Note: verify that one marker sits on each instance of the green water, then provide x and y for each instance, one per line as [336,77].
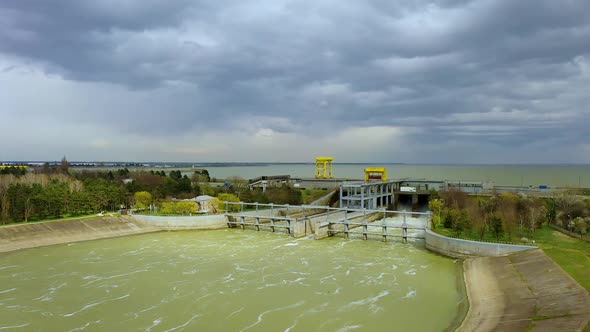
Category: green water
[227,280]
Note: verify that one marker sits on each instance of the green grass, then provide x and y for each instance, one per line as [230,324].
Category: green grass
[571,254]
[310,195]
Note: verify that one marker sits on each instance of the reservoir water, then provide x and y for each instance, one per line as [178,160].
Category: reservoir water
[227,280]
[509,175]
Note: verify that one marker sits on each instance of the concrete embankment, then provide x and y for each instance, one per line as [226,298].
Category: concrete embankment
[216,221]
[524,291]
[15,237]
[459,248]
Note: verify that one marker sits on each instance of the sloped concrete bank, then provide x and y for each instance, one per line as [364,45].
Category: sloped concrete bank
[514,287]
[524,291]
[22,236]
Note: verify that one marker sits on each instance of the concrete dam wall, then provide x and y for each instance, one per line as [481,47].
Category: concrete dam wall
[460,248]
[214,221]
[15,237]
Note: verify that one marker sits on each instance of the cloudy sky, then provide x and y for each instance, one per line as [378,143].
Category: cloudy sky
[447,81]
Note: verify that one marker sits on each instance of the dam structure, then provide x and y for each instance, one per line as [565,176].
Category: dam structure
[323,221]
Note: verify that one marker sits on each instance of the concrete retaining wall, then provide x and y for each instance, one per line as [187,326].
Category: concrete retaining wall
[215,221]
[21,236]
[459,248]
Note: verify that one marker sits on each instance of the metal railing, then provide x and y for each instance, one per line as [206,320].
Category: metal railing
[272,206]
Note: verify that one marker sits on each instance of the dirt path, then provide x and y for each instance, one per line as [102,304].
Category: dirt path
[523,291]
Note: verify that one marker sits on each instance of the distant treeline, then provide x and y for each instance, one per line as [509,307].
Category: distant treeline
[55,191]
[507,217]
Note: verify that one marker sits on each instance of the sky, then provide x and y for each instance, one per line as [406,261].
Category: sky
[447,81]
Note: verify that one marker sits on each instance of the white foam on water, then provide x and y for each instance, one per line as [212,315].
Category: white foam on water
[94,304]
[7,290]
[51,291]
[235,312]
[409,294]
[366,301]
[288,329]
[6,300]
[82,328]
[285,282]
[381,275]
[183,325]
[95,278]
[261,315]
[331,277]
[411,272]
[349,328]
[14,326]
[291,244]
[136,314]
[239,268]
[135,252]
[8,267]
[228,278]
[155,323]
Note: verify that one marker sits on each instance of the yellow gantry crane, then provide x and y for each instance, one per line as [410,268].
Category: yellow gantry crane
[323,167]
[14,166]
[375,173]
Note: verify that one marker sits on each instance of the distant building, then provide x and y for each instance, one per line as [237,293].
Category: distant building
[206,203]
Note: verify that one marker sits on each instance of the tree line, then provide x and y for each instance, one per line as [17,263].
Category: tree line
[53,191]
[507,216]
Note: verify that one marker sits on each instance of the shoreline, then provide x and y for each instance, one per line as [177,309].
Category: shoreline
[524,291]
[41,234]
[463,305]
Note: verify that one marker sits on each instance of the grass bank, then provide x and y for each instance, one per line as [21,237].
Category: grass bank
[573,255]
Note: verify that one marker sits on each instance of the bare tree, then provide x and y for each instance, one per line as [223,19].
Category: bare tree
[507,209]
[537,215]
[5,182]
[454,198]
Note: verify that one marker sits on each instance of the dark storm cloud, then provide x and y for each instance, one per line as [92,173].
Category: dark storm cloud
[499,72]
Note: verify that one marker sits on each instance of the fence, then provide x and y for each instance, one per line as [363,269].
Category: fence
[572,234]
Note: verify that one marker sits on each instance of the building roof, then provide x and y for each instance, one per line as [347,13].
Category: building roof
[203,198]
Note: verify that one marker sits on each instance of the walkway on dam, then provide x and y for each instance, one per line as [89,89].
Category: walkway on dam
[323,221]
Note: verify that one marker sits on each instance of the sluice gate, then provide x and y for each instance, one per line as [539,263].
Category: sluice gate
[323,221]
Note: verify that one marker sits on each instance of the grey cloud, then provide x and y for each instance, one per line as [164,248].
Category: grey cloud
[436,68]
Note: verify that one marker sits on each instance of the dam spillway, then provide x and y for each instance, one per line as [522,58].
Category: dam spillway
[324,221]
